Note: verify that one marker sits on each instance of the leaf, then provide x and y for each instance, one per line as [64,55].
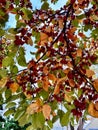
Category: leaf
[23,120]
[21,60]
[68,97]
[18,114]
[89,72]
[95,83]
[13,87]
[3,81]
[7,61]
[34,107]
[71,82]
[57,87]
[30,128]
[50,124]
[92,111]
[65,119]
[9,112]
[45,6]
[46,111]
[27,13]
[40,120]
[45,84]
[8,94]
[79,52]
[61,23]
[52,77]
[43,38]
[10,105]
[14,69]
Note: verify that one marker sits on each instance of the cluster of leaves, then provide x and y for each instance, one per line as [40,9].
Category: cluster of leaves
[60,72]
[7,124]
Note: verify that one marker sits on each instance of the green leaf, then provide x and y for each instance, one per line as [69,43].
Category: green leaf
[16,2]
[14,69]
[30,128]
[44,94]
[3,73]
[75,22]
[23,120]
[45,6]
[40,120]
[1,32]
[60,113]
[27,13]
[9,112]
[46,128]
[21,57]
[7,61]
[8,94]
[10,105]
[21,61]
[65,119]
[18,114]
[50,124]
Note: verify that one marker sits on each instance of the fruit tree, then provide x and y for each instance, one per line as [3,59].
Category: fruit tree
[64,46]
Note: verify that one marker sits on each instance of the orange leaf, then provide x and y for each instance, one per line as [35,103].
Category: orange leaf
[52,77]
[45,70]
[81,35]
[79,52]
[61,23]
[66,71]
[92,111]
[34,107]
[89,73]
[14,86]
[57,87]
[45,83]
[43,37]
[96,105]
[95,83]
[71,82]
[46,111]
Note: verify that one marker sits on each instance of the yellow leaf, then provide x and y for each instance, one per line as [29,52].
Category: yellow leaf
[89,73]
[67,97]
[78,11]
[92,111]
[3,81]
[46,111]
[14,86]
[95,83]
[27,95]
[79,52]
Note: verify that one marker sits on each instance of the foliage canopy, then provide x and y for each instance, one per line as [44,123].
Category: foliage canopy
[59,73]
